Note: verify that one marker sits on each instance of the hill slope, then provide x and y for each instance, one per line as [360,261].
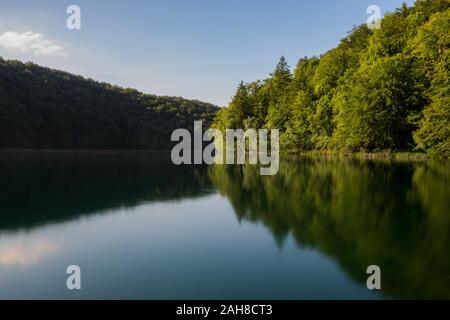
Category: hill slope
[383,89]
[46,108]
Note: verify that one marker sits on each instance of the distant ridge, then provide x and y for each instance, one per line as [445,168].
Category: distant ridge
[50,109]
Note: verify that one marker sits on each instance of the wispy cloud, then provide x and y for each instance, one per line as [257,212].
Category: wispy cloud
[35,43]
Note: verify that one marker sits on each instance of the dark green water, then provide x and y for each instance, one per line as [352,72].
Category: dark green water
[139,227]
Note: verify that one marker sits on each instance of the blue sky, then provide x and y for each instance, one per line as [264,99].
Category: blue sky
[199,49]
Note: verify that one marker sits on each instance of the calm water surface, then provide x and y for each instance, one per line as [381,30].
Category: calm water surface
[142,228]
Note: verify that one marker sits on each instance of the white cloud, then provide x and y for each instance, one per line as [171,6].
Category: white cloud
[30,41]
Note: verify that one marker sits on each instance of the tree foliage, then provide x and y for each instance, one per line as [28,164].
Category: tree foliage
[383,89]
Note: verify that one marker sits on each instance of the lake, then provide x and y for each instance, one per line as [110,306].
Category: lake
[141,228]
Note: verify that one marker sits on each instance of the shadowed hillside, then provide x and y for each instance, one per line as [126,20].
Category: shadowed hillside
[51,109]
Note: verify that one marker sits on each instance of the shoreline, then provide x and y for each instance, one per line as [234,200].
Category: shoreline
[381,155]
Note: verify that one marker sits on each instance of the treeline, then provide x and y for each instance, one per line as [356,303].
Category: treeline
[45,108]
[382,89]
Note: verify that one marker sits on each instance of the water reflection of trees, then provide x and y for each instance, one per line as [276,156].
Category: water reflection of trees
[38,188]
[395,215]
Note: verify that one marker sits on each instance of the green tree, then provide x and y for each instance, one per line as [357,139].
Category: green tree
[432,44]
[385,89]
[278,89]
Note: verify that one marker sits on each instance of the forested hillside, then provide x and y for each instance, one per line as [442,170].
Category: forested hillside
[382,89]
[45,108]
